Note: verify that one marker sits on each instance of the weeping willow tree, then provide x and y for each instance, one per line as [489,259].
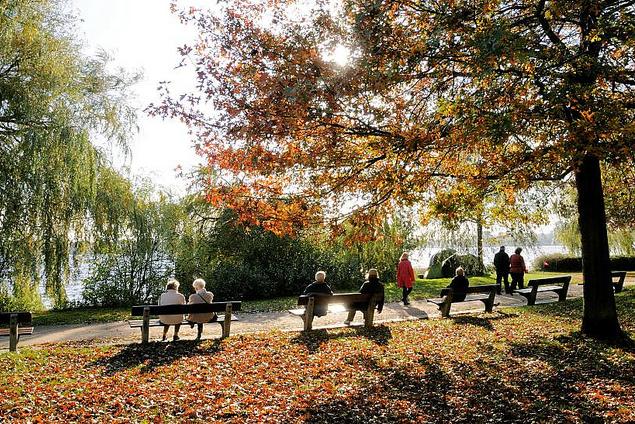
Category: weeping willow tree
[53,99]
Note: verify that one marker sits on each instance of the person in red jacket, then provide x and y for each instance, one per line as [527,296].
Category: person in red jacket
[517,269]
[405,277]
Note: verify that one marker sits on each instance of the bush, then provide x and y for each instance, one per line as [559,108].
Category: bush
[558,262]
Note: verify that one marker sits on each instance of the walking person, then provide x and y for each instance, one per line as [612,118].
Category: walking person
[405,277]
[171,296]
[200,296]
[372,285]
[501,263]
[517,269]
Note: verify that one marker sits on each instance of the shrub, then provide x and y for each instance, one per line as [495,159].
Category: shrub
[557,262]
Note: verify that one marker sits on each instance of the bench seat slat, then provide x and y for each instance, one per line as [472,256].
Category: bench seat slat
[22,331]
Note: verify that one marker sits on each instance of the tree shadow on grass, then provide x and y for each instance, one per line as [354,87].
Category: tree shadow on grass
[397,394]
[479,321]
[379,334]
[156,354]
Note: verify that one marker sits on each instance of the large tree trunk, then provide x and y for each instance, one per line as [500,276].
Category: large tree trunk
[600,316]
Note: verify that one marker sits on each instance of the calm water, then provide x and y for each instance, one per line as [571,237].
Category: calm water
[421,258]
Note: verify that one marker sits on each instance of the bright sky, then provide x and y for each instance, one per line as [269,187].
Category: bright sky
[143,35]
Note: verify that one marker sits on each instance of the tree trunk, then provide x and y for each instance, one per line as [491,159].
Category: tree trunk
[600,316]
[479,240]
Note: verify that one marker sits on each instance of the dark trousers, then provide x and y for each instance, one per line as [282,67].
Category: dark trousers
[502,276]
[517,280]
[406,292]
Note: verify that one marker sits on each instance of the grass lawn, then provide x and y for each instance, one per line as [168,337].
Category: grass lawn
[520,365]
[423,289]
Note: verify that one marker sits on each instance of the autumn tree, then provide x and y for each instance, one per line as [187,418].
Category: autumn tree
[434,94]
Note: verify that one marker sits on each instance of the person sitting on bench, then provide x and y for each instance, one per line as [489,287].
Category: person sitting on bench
[201,296]
[319,286]
[171,297]
[459,284]
[372,285]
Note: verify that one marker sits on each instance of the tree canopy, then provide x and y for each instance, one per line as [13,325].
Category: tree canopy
[436,97]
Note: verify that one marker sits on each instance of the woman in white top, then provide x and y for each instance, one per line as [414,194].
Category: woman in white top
[201,296]
[171,297]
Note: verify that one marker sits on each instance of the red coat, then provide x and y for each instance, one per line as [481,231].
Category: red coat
[405,274]
[517,264]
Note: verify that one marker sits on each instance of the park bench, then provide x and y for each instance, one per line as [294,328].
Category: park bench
[617,279]
[366,303]
[541,285]
[146,311]
[19,325]
[483,293]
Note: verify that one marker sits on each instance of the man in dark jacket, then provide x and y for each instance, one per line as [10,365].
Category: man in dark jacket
[319,287]
[372,285]
[501,263]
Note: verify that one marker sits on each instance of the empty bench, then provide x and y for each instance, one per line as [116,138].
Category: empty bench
[617,279]
[484,293]
[366,303]
[19,325]
[145,311]
[558,285]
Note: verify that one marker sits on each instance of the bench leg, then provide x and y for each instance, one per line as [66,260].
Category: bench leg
[308,315]
[562,296]
[228,320]
[13,333]
[445,309]
[145,327]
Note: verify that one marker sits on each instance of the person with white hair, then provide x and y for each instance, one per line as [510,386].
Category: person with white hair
[200,296]
[171,297]
[459,284]
[319,287]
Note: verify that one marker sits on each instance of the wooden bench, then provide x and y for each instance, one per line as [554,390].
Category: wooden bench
[146,311]
[19,325]
[484,293]
[617,279]
[541,285]
[366,303]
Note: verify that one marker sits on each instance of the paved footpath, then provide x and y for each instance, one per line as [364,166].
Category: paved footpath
[120,332]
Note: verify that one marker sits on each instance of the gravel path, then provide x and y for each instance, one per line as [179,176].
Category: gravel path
[120,332]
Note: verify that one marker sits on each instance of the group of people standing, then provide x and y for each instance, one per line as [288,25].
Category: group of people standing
[513,265]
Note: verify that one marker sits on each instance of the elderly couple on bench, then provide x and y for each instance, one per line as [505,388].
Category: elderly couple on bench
[173,297]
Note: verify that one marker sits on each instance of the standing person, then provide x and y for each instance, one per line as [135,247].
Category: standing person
[405,277]
[501,263]
[372,285]
[459,285]
[201,296]
[171,297]
[319,286]
[517,269]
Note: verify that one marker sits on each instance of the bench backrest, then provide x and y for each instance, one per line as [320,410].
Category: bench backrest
[563,280]
[339,298]
[195,308]
[485,288]
[620,275]
[23,317]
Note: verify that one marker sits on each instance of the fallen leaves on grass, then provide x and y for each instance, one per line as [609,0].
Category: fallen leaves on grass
[525,366]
